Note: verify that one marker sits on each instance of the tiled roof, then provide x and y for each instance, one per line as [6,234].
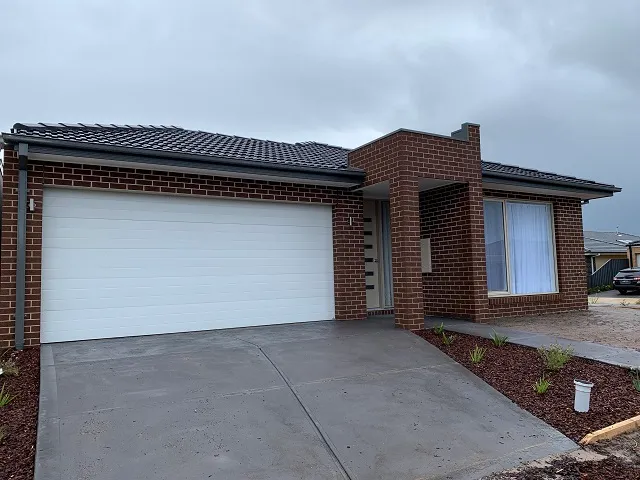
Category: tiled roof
[608,242]
[171,139]
[512,170]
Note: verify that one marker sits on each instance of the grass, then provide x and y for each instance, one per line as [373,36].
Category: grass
[477,354]
[5,398]
[439,329]
[635,378]
[541,385]
[555,356]
[498,339]
[448,339]
[9,367]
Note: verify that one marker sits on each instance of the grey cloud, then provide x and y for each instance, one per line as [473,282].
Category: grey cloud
[553,84]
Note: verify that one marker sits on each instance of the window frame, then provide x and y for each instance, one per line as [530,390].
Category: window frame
[508,292]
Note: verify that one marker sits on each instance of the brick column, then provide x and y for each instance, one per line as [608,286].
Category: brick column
[405,251]
[8,251]
[348,258]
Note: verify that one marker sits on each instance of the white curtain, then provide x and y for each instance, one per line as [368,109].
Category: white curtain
[530,248]
[494,246]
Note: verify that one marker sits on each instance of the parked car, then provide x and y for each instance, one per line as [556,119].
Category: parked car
[627,280]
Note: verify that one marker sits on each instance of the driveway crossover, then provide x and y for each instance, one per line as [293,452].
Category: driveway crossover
[324,400]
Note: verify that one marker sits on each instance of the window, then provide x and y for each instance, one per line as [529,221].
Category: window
[519,247]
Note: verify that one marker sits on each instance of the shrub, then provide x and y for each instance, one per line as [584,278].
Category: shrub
[541,385]
[555,356]
[601,288]
[9,367]
[448,339]
[439,329]
[5,398]
[477,354]
[498,339]
[635,378]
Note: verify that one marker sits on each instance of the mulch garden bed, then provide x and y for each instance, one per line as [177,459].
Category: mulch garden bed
[513,370]
[19,418]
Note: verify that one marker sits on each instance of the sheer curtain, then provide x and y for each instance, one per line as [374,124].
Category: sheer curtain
[494,246]
[531,254]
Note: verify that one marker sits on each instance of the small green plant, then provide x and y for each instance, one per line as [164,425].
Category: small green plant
[593,300]
[448,339]
[9,367]
[5,398]
[635,377]
[498,339]
[541,385]
[555,356]
[439,329]
[477,354]
[601,288]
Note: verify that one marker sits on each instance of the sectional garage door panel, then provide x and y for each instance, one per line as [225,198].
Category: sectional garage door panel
[122,264]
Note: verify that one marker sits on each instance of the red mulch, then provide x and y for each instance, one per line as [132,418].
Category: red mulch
[513,369]
[20,417]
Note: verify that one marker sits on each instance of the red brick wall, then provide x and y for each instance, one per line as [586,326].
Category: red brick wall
[348,239]
[572,281]
[402,158]
[445,218]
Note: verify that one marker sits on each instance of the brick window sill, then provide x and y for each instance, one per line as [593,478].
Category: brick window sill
[524,299]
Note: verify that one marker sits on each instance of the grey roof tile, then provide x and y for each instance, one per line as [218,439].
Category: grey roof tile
[500,168]
[173,139]
[180,140]
[608,242]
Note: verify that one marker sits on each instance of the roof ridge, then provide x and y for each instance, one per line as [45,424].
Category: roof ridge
[603,241]
[311,142]
[90,126]
[612,231]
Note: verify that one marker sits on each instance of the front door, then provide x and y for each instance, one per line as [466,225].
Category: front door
[371,263]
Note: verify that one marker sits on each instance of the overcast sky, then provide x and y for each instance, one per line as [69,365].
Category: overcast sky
[555,84]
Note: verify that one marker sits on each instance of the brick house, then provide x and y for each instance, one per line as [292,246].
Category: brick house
[111,231]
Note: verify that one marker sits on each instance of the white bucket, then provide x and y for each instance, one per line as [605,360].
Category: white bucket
[583,395]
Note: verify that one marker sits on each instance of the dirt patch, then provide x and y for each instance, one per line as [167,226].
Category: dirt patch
[626,447]
[609,325]
[614,459]
[19,419]
[513,369]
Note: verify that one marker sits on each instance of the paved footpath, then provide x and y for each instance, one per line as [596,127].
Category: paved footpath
[624,357]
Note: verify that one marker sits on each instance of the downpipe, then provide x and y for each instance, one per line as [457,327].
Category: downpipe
[21,260]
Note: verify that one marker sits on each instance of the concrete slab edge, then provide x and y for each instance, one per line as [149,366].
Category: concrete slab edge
[612,431]
[520,337]
[48,434]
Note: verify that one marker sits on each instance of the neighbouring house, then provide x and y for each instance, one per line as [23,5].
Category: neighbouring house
[113,231]
[600,247]
[633,253]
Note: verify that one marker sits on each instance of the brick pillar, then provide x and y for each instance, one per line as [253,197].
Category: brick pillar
[405,251]
[8,251]
[348,258]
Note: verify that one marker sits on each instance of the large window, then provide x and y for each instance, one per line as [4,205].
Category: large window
[520,247]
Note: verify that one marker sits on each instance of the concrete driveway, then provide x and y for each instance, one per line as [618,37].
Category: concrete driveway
[328,400]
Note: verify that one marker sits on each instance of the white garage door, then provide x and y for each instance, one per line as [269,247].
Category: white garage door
[122,264]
